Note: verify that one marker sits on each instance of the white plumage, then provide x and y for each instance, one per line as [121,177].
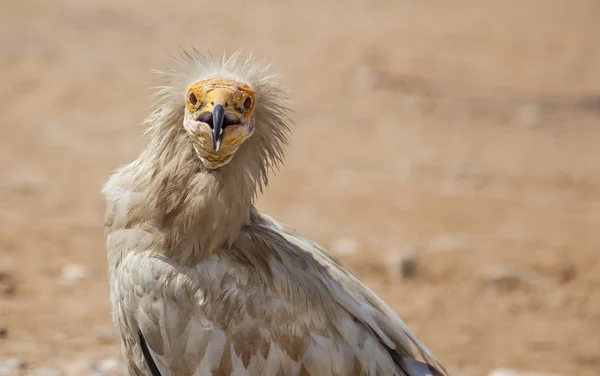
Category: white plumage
[206,283]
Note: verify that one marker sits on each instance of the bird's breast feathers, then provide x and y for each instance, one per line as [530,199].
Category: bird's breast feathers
[273,304]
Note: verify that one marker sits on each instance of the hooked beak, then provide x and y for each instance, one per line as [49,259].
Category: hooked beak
[218,131]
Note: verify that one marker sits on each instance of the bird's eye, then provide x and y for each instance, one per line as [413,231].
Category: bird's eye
[247,103]
[192,98]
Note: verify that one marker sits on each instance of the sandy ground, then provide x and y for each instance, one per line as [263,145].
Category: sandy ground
[465,132]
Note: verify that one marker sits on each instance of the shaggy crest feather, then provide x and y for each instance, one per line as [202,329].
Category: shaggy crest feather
[265,148]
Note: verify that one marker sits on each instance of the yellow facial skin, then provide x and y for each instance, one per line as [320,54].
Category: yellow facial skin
[237,100]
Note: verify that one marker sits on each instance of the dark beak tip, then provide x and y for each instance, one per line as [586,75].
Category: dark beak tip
[218,118]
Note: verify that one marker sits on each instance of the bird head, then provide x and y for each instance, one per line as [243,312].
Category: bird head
[229,114]
[219,114]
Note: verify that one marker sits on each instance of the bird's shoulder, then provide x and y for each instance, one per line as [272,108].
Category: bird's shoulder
[119,197]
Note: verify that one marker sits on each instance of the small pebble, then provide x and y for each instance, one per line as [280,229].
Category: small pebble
[110,367]
[367,76]
[512,372]
[8,284]
[408,267]
[9,366]
[508,279]
[449,243]
[79,367]
[405,265]
[108,337]
[108,364]
[345,246]
[44,372]
[3,333]
[567,274]
[72,273]
[529,114]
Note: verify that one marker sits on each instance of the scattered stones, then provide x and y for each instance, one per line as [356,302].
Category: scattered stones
[79,367]
[345,246]
[104,367]
[508,279]
[110,367]
[44,372]
[10,366]
[72,273]
[512,372]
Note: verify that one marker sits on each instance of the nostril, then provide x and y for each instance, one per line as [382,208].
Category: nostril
[230,120]
[207,118]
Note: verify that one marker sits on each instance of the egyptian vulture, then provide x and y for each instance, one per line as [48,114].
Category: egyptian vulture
[201,282]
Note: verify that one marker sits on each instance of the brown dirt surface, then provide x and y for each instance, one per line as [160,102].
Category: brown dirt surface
[466,132]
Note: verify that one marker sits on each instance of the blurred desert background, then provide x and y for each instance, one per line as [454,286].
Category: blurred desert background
[448,151]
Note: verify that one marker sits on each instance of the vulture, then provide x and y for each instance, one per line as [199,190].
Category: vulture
[201,282]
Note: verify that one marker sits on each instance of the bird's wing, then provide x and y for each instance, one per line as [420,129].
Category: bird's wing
[363,304]
[220,319]
[274,304]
